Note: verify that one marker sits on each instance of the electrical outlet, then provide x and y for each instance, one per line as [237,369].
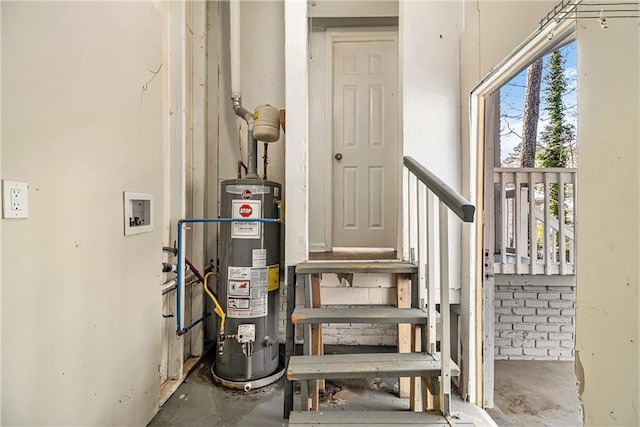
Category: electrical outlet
[14,199]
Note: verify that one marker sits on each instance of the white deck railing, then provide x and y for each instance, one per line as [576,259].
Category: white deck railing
[530,237]
[425,191]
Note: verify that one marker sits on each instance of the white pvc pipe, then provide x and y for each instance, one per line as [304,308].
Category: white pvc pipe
[234,45]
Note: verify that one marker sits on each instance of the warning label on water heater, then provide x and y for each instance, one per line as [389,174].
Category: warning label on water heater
[246,209]
[247,294]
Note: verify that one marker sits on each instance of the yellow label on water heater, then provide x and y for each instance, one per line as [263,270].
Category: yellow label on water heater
[273,277]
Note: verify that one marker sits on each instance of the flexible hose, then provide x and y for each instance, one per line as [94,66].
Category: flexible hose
[189,264]
[219,311]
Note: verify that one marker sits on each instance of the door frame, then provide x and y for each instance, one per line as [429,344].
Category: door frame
[544,40]
[357,34]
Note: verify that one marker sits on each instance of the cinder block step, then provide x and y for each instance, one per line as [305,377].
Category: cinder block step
[373,419]
[372,365]
[376,315]
[342,267]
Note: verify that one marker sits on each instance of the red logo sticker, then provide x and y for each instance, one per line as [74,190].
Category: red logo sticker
[245,211]
[246,194]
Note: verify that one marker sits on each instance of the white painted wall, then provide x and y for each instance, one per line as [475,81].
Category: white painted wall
[607,324]
[431,105]
[263,82]
[80,301]
[297,149]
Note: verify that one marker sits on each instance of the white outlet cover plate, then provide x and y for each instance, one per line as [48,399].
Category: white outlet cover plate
[7,207]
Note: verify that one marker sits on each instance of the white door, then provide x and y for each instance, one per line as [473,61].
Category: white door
[364,143]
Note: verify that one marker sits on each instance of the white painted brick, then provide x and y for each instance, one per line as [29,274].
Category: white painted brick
[563,288]
[503,327]
[508,288]
[525,295]
[344,295]
[501,295]
[549,295]
[373,280]
[560,304]
[561,353]
[560,336]
[567,344]
[548,328]
[523,343]
[504,310]
[511,351]
[536,303]
[511,334]
[499,342]
[566,328]
[524,311]
[510,319]
[535,351]
[373,331]
[535,319]
[547,344]
[565,320]
[510,303]
[536,288]
[536,335]
[569,296]
[548,311]
[568,312]
[524,327]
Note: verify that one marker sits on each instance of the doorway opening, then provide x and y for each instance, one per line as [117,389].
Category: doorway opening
[523,121]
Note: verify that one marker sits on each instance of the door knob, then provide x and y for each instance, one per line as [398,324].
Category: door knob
[338,156]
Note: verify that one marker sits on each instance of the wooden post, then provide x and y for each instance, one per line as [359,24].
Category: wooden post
[403,286]
[415,395]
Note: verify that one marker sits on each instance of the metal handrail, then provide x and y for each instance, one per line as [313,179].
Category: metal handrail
[458,204]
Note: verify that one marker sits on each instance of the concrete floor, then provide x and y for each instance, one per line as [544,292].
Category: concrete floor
[198,401]
[532,393]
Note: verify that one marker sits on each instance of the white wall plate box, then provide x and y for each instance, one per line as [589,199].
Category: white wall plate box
[14,199]
[138,213]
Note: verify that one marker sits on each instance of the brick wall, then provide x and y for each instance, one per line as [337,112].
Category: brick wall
[534,322]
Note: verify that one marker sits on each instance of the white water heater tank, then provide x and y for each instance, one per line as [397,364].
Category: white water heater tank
[266,123]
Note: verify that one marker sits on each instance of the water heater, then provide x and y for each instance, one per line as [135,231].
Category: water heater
[249,282]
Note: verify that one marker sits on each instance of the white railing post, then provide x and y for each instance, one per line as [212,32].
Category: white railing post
[562,254]
[445,339]
[533,232]
[432,250]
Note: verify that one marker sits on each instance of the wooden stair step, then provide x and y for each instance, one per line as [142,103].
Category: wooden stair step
[373,418]
[341,267]
[376,315]
[372,365]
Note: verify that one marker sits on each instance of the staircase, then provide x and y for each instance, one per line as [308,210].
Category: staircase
[313,367]
[425,374]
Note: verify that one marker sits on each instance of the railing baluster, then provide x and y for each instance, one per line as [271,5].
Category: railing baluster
[505,221]
[561,224]
[431,273]
[572,253]
[413,217]
[445,340]
[517,225]
[405,215]
[422,240]
[533,231]
[546,225]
